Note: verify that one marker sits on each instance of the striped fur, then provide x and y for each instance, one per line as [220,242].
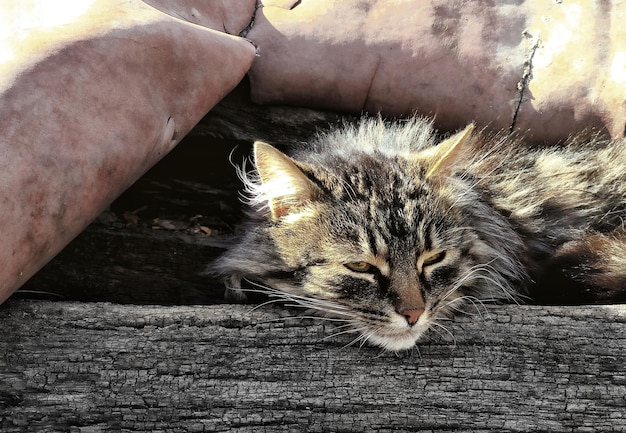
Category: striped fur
[439,227]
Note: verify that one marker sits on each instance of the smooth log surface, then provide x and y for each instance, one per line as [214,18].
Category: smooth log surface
[96,367]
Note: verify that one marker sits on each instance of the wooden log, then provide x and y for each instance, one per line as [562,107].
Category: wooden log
[99,367]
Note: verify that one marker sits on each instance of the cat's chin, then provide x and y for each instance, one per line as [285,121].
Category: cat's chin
[395,340]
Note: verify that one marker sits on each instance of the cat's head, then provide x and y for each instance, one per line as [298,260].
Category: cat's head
[370,230]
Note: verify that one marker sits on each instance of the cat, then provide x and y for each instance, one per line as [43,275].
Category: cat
[382,225]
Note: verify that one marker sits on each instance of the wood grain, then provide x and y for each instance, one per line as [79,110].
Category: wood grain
[99,367]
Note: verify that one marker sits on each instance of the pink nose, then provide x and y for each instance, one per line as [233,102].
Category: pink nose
[412,316]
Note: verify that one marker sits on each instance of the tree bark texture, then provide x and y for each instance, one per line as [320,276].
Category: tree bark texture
[99,367]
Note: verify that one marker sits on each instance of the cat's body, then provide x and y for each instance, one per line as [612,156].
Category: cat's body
[383,228]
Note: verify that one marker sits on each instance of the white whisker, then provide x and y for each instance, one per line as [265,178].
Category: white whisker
[347,331]
[361,337]
[447,331]
[264,304]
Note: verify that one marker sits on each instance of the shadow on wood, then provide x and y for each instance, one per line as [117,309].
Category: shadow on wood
[155,242]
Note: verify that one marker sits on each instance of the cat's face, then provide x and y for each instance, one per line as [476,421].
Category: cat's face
[391,271]
[375,240]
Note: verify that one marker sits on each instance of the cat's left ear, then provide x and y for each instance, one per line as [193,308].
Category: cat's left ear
[446,154]
[284,185]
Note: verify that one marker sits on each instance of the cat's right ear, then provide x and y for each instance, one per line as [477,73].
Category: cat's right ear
[283,184]
[446,154]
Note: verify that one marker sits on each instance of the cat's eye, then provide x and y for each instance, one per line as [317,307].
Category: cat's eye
[359,266]
[433,258]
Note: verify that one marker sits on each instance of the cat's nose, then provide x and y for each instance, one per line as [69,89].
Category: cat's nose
[412,316]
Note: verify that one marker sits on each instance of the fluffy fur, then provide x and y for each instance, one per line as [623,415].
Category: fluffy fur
[388,229]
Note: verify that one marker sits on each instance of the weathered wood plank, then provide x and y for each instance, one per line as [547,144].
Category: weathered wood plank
[104,367]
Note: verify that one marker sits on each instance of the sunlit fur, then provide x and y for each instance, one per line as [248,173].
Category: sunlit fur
[507,216]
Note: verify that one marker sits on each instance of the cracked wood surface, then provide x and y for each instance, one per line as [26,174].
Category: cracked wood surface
[97,367]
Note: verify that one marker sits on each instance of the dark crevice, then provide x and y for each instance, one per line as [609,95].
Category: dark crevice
[243,33]
[527,75]
[369,87]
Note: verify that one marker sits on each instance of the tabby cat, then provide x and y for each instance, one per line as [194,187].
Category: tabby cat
[382,227]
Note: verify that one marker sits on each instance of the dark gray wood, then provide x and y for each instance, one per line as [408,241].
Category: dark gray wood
[99,367]
[237,118]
